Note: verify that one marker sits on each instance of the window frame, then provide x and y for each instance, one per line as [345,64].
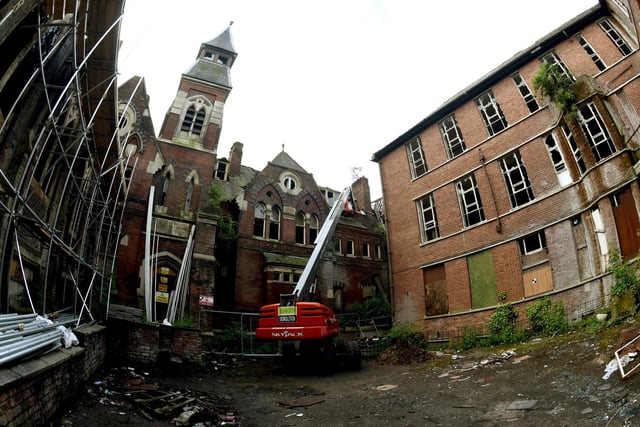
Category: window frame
[516,179]
[416,158]
[557,159]
[575,150]
[301,228]
[527,244]
[600,141]
[491,113]
[552,58]
[275,217]
[427,218]
[351,247]
[452,136]
[259,219]
[525,92]
[474,208]
[591,52]
[616,37]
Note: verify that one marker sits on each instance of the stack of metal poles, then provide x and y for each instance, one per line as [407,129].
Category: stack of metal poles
[26,335]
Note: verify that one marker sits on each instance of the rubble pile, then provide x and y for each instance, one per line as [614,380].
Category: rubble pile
[130,392]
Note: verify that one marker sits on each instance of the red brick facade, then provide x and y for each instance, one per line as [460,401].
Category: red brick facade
[570,262]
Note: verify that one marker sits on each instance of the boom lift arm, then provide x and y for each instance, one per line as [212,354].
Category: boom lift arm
[297,319]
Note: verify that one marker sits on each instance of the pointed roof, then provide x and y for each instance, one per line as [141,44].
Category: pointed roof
[210,72]
[223,42]
[285,160]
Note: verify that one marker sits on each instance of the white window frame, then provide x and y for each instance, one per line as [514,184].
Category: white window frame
[415,155]
[527,96]
[351,247]
[596,132]
[564,177]
[469,199]
[427,218]
[615,36]
[533,243]
[575,150]
[494,120]
[591,52]
[452,136]
[516,179]
[552,59]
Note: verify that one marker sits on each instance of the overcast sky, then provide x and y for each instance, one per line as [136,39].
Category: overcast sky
[332,80]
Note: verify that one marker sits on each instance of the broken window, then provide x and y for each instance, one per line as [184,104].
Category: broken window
[532,244]
[428,219]
[314,225]
[591,52]
[300,228]
[555,62]
[525,92]
[615,37]
[274,223]
[574,148]
[417,162]
[454,143]
[365,250]
[491,113]
[596,132]
[258,220]
[193,121]
[221,170]
[515,176]
[351,248]
[470,203]
[558,161]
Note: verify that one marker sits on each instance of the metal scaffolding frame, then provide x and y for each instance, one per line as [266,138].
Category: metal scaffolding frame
[62,181]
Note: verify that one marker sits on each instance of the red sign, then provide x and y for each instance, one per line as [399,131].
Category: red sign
[206,300]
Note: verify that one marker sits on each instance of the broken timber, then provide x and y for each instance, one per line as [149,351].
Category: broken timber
[162,404]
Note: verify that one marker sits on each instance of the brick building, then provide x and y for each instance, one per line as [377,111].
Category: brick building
[169,227]
[253,230]
[500,194]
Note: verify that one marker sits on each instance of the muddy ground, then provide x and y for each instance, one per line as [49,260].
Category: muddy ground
[555,381]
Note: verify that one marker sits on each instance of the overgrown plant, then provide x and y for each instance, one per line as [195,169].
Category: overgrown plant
[371,307]
[624,274]
[546,318]
[407,334]
[215,195]
[552,82]
[502,324]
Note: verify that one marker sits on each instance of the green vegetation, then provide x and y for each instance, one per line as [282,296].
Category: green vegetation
[546,318]
[502,325]
[371,308]
[215,195]
[185,322]
[407,334]
[552,82]
[624,274]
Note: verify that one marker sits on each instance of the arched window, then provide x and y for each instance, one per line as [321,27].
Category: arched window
[187,203]
[300,227]
[258,220]
[314,225]
[188,119]
[193,121]
[274,224]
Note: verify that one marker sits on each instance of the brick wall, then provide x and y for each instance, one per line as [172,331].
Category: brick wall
[34,390]
[142,343]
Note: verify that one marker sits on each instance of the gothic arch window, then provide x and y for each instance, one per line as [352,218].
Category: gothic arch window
[274,223]
[314,225]
[187,202]
[195,117]
[300,227]
[258,220]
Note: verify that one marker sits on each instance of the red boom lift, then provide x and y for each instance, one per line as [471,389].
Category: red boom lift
[314,326]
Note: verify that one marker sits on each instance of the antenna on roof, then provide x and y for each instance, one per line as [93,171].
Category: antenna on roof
[282,147]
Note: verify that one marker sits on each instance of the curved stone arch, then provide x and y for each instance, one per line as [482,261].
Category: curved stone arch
[193,175]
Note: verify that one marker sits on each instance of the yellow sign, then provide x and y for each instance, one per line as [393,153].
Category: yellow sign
[162,297]
[162,287]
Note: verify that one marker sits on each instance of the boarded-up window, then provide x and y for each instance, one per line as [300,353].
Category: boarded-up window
[435,291]
[627,223]
[482,276]
[537,280]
